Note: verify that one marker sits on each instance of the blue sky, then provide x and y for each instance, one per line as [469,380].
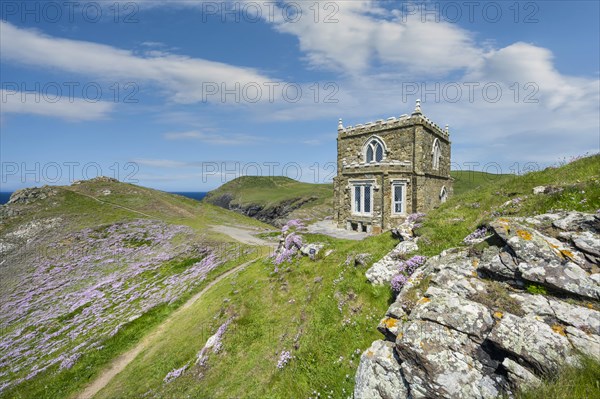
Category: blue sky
[134,89]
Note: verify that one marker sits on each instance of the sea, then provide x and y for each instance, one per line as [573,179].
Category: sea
[5,196]
[193,195]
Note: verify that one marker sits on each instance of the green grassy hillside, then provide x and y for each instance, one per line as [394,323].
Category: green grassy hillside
[270,198]
[323,312]
[469,180]
[576,186]
[79,261]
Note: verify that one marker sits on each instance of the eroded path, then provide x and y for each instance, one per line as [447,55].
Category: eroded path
[242,235]
[119,364]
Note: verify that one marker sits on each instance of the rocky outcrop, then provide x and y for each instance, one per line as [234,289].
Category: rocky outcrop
[484,321]
[386,268]
[29,195]
[276,215]
[379,374]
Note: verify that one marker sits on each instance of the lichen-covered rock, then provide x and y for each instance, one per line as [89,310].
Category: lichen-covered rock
[519,376]
[440,362]
[575,221]
[362,259]
[379,375]
[587,242]
[541,259]
[467,325]
[460,314]
[385,269]
[584,342]
[390,327]
[533,341]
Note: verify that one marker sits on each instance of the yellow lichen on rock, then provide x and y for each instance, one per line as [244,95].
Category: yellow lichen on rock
[524,234]
[557,328]
[498,315]
[566,253]
[390,322]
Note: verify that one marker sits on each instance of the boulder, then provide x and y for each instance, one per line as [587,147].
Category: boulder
[439,362]
[379,375]
[460,314]
[311,249]
[383,270]
[519,376]
[544,260]
[533,341]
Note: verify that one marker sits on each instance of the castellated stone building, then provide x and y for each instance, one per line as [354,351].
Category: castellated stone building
[389,169]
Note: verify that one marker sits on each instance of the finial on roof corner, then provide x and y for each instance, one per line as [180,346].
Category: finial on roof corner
[340,125]
[417,110]
[447,129]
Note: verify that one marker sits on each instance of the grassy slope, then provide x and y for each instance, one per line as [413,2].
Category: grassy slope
[271,309]
[268,191]
[78,211]
[447,225]
[469,180]
[272,191]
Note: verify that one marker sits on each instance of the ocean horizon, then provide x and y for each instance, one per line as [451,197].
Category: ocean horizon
[5,195]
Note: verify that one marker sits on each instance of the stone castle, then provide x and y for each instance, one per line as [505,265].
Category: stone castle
[389,169]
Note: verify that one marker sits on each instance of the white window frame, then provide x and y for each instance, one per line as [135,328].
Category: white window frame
[364,185]
[404,185]
[372,143]
[436,154]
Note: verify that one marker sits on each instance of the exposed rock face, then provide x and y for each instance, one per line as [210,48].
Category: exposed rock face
[274,215]
[379,374]
[464,326]
[28,195]
[384,270]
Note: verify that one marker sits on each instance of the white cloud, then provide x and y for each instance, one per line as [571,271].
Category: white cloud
[213,138]
[366,34]
[69,108]
[184,79]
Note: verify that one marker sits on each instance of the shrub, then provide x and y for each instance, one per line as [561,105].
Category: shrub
[537,289]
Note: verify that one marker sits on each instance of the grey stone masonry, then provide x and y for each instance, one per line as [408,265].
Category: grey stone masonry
[388,169]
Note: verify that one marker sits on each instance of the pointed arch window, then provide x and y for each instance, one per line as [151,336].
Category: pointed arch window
[374,150]
[443,194]
[436,154]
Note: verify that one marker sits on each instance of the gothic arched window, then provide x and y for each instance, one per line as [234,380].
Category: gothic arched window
[436,154]
[443,194]
[374,150]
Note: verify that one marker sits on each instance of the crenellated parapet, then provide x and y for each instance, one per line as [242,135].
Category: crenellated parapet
[393,123]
